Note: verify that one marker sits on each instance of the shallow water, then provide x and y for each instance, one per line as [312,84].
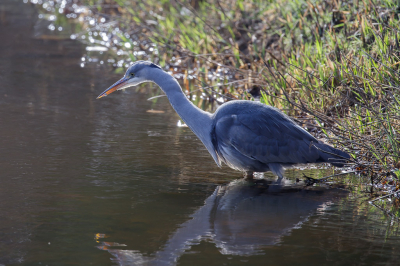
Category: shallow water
[109,182]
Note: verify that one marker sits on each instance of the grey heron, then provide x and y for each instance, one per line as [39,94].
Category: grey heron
[245,135]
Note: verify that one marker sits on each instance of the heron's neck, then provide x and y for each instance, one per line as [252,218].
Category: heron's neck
[197,120]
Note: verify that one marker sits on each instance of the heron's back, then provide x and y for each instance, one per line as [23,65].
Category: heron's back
[251,136]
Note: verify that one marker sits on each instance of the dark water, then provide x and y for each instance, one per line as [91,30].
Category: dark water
[105,182]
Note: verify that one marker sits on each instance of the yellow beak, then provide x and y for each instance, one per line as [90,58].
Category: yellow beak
[113,87]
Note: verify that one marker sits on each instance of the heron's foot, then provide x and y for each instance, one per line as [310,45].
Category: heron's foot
[309,181]
[248,175]
[277,185]
[279,180]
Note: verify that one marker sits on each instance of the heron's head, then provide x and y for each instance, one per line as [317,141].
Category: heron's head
[136,74]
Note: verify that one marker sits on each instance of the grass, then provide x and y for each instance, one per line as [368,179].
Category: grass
[331,65]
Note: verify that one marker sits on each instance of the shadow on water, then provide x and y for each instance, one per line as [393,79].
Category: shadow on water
[240,218]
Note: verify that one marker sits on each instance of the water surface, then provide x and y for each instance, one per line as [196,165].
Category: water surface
[108,182]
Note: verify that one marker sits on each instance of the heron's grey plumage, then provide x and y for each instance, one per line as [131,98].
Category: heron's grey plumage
[251,136]
[245,135]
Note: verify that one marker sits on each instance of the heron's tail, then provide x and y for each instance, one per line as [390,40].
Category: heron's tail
[331,155]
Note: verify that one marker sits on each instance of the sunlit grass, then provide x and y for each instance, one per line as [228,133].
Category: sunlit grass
[332,66]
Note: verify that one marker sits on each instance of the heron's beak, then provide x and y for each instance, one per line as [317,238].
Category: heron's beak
[113,87]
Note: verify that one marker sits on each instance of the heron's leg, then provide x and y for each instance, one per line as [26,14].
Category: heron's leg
[248,175]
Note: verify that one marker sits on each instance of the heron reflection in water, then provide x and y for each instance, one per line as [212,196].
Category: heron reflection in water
[245,135]
[240,218]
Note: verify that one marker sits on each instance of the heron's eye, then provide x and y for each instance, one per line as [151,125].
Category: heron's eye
[132,75]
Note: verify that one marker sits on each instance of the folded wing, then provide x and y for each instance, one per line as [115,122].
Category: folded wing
[268,136]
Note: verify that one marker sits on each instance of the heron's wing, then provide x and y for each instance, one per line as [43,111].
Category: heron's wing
[269,137]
